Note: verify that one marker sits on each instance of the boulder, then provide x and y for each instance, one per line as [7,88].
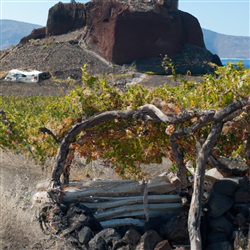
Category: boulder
[171,226]
[230,166]
[218,204]
[97,243]
[132,237]
[104,239]
[226,186]
[237,167]
[80,214]
[224,245]
[65,17]
[242,196]
[215,236]
[213,175]
[163,245]
[226,215]
[221,224]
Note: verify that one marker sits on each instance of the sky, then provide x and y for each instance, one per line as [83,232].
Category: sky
[230,17]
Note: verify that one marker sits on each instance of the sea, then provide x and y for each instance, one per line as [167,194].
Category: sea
[246,62]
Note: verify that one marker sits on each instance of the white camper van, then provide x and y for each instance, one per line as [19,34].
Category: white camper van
[16,75]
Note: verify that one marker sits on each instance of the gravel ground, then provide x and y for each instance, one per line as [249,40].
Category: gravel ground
[19,227]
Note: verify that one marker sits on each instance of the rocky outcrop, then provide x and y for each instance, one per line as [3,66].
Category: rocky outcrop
[58,55]
[128,31]
[65,17]
[122,32]
[35,34]
[191,60]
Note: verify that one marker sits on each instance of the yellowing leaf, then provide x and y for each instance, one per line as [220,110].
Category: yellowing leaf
[170,129]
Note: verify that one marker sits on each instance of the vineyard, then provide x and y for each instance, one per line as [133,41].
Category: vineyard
[36,125]
[191,122]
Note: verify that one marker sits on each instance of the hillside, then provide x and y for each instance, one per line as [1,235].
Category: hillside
[12,31]
[227,46]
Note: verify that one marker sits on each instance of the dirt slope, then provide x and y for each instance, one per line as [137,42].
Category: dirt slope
[19,227]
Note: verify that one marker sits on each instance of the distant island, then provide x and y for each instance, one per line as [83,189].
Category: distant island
[226,46]
[12,31]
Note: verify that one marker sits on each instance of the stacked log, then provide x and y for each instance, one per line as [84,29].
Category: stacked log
[116,203]
[88,210]
[94,214]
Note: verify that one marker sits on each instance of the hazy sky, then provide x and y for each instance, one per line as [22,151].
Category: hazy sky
[230,17]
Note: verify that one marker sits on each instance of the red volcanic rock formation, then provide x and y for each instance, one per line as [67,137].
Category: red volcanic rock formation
[65,17]
[191,30]
[122,32]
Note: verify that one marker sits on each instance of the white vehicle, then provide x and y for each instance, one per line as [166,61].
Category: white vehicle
[16,75]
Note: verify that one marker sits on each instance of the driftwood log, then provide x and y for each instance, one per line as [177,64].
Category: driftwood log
[122,222]
[128,211]
[115,191]
[119,202]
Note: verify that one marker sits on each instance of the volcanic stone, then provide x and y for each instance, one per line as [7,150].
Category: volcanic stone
[226,186]
[218,204]
[85,235]
[149,240]
[65,17]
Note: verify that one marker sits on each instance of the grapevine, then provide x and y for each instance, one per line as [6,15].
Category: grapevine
[127,143]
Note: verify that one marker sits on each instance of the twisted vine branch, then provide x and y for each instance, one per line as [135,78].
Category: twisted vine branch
[146,112]
[151,112]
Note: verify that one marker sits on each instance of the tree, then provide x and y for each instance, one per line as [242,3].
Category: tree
[204,127]
[150,112]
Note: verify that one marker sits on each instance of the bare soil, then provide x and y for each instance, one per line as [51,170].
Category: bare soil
[44,88]
[19,175]
[19,228]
